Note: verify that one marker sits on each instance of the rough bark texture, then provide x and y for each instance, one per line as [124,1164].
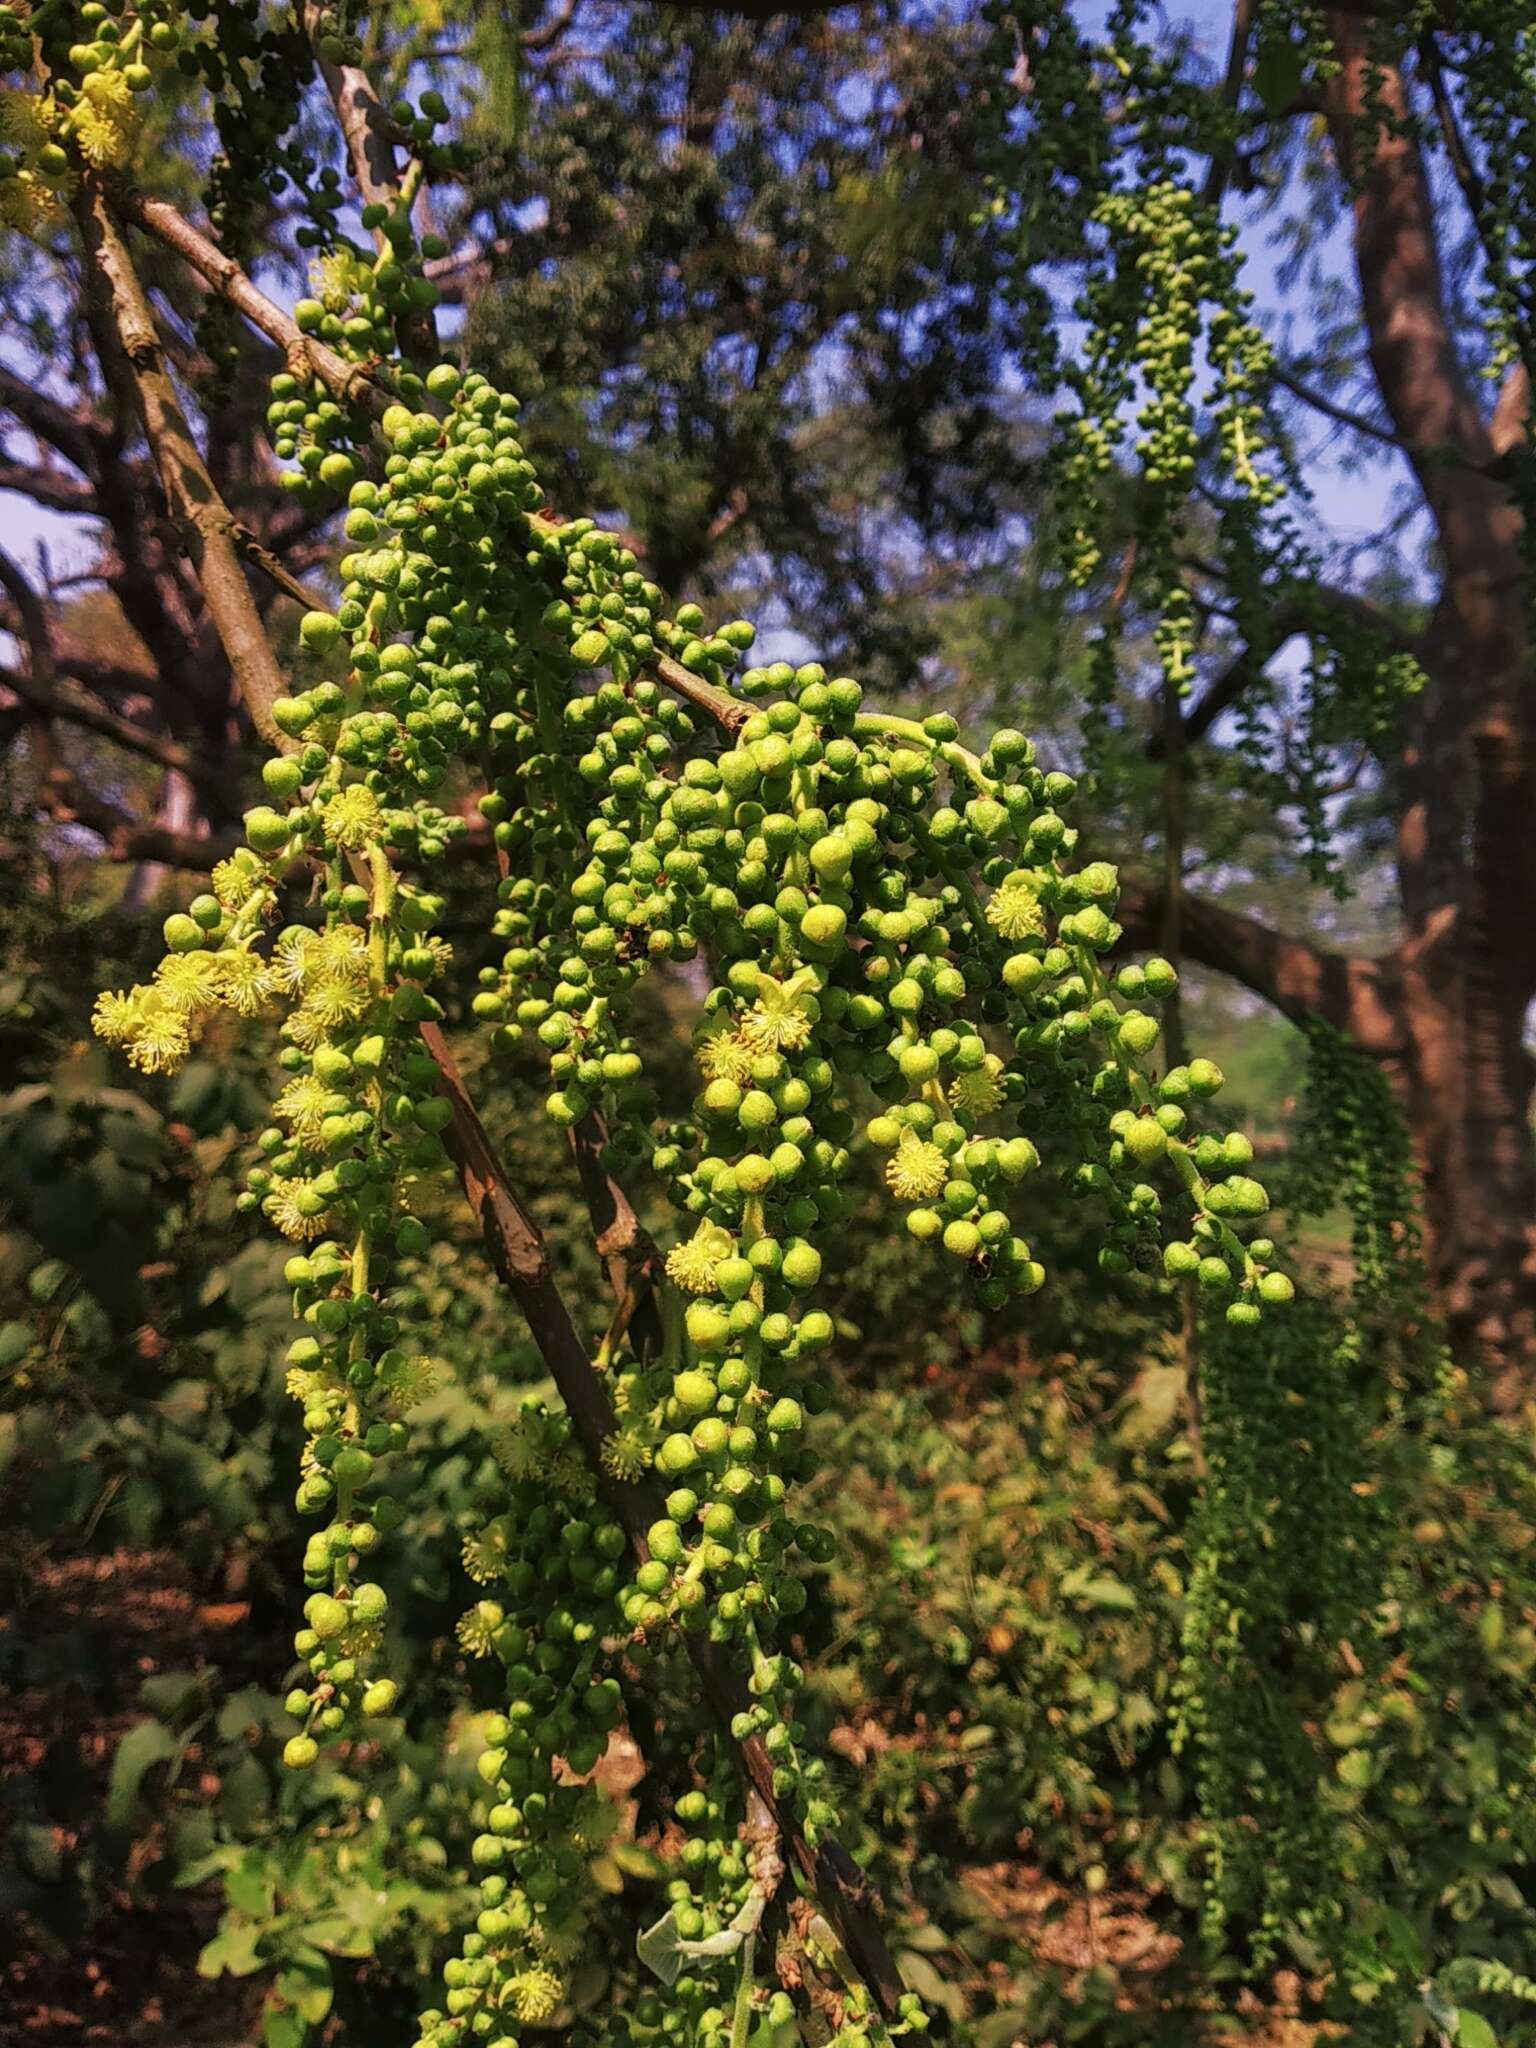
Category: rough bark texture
[1466,972]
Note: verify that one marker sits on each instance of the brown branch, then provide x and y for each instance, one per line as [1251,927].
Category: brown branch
[1511,411]
[1288,619]
[126,838]
[33,615]
[728,712]
[1423,382]
[366,129]
[82,437]
[370,137]
[202,518]
[348,383]
[551,29]
[76,708]
[518,1252]
[50,487]
[629,1253]
[1222,158]
[261,557]
[1356,995]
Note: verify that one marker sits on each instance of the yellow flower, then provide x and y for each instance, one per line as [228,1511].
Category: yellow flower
[486,1552]
[335,998]
[105,119]
[353,817]
[234,879]
[724,1056]
[624,1454]
[534,1995]
[916,1170]
[244,982]
[291,958]
[781,1018]
[189,981]
[291,1209]
[27,204]
[691,1266]
[477,1627]
[1015,907]
[342,949]
[333,279]
[407,1382]
[115,1016]
[25,122]
[302,1384]
[979,1092]
[304,1105]
[159,1041]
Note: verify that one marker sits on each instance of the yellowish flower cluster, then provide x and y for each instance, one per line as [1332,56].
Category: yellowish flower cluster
[153,1021]
[980,1091]
[534,1996]
[625,1455]
[105,119]
[781,1018]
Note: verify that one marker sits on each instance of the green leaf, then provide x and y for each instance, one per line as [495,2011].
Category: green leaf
[232,1951]
[1105,1591]
[1472,2031]
[1356,1768]
[282,2027]
[249,1889]
[305,1984]
[144,1746]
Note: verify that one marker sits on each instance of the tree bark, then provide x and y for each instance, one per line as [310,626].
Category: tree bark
[1467,842]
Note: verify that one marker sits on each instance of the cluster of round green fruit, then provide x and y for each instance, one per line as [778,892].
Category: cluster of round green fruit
[905,944]
[550,1565]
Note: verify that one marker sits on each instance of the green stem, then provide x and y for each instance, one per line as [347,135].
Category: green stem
[741,2011]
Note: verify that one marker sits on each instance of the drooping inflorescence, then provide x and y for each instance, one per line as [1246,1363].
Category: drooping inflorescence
[904,950]
[1108,168]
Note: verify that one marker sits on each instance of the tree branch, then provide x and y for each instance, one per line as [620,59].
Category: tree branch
[518,1250]
[1222,158]
[77,434]
[1293,617]
[50,487]
[201,516]
[370,137]
[348,383]
[128,839]
[1354,994]
[1423,382]
[77,708]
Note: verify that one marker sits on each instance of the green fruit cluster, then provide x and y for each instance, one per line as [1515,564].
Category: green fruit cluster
[905,950]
